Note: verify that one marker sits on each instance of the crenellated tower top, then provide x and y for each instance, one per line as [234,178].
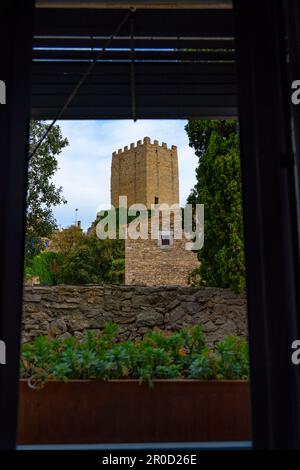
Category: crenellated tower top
[145,172]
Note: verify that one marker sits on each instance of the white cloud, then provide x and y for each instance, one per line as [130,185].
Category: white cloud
[84,170]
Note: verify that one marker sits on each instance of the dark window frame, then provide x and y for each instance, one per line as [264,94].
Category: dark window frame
[270,152]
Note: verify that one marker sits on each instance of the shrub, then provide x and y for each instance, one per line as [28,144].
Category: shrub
[46,265]
[232,358]
[92,262]
[202,366]
[160,354]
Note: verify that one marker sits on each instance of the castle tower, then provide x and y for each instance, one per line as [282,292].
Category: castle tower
[146,173]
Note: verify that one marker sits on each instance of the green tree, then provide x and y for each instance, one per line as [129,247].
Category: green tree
[94,261]
[79,258]
[42,194]
[67,240]
[46,266]
[218,187]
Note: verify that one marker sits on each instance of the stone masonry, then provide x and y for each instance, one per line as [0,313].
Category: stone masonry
[62,311]
[148,264]
[144,172]
[148,174]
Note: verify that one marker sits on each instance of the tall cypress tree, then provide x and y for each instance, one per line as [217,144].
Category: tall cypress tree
[218,187]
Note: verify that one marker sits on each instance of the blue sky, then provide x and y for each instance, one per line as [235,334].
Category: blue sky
[84,166]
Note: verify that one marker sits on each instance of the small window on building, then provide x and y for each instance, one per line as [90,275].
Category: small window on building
[156,200]
[165,239]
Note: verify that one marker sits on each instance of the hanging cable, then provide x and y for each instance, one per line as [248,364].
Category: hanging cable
[82,80]
[132,68]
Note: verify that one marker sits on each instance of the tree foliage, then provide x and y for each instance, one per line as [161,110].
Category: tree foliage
[80,258]
[93,261]
[67,240]
[46,266]
[218,187]
[42,194]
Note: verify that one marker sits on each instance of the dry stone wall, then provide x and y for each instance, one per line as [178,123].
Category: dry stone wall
[61,311]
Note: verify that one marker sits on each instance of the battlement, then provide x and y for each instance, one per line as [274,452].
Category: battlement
[145,172]
[144,142]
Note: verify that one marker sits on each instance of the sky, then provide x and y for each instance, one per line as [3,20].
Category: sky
[84,166]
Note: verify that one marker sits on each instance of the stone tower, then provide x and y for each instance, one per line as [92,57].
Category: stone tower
[146,173]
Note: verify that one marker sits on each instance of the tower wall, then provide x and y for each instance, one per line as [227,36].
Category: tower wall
[147,173]
[147,264]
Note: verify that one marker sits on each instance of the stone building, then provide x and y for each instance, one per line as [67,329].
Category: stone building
[147,173]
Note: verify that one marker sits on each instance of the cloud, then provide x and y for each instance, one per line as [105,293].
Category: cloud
[84,166]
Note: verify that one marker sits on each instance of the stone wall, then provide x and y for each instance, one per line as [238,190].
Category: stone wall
[61,311]
[146,263]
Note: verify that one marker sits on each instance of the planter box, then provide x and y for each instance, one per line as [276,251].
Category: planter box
[119,411]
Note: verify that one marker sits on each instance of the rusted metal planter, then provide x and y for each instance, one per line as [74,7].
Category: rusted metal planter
[119,411]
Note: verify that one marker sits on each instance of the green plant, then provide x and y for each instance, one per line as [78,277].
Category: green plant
[232,358]
[42,194]
[218,187]
[202,366]
[93,261]
[46,265]
[160,354]
[33,246]
[154,362]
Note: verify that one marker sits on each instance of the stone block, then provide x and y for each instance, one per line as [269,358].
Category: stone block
[57,327]
[149,318]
